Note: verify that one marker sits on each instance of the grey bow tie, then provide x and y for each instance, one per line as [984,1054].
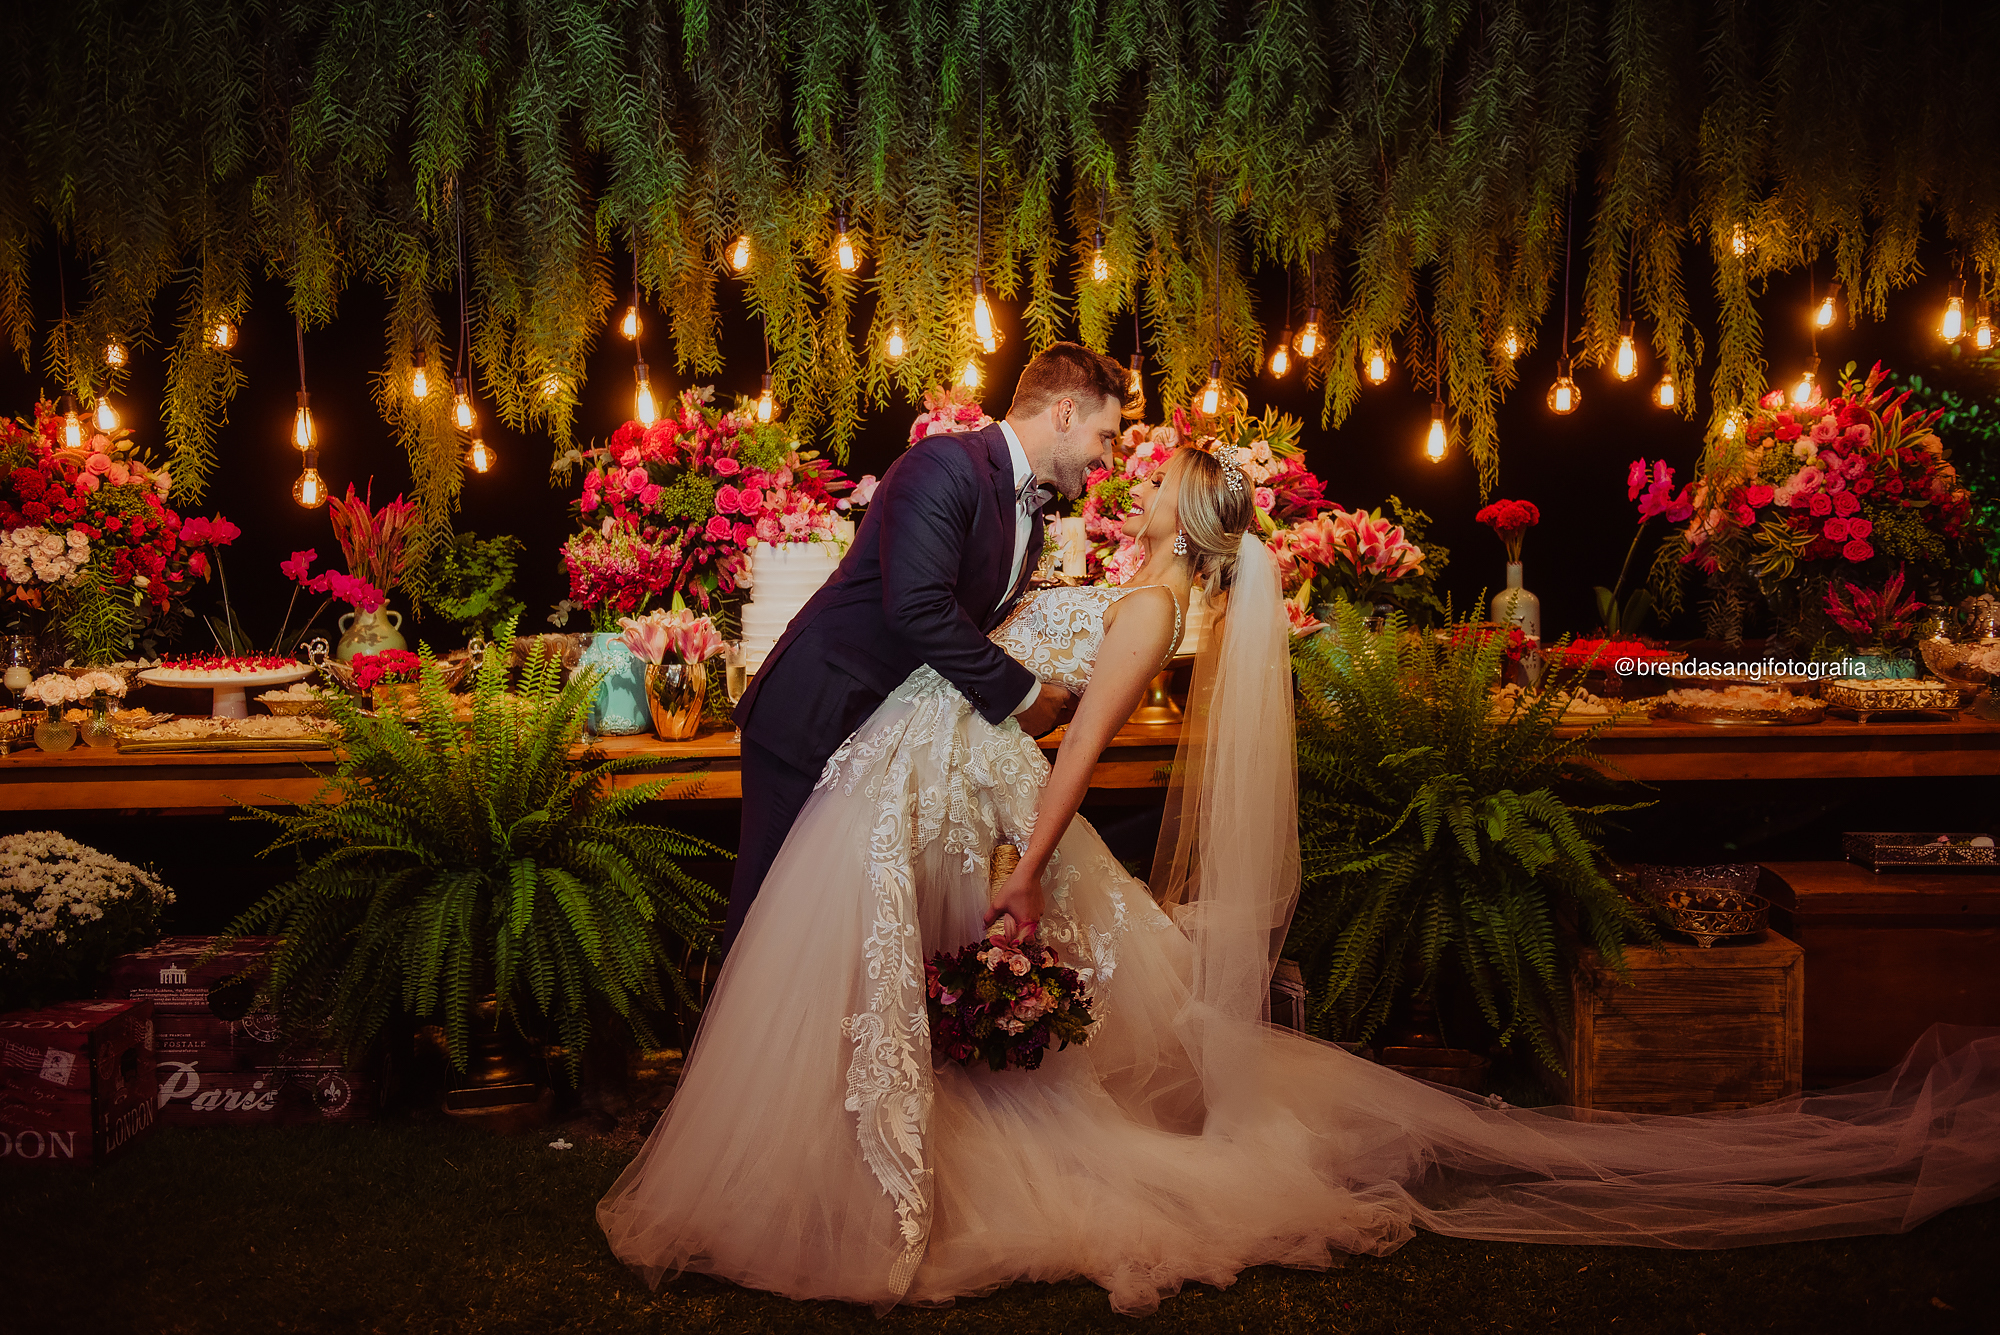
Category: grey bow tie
[1033,495]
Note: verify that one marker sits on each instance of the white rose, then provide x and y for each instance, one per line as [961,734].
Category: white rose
[76,539]
[25,537]
[53,545]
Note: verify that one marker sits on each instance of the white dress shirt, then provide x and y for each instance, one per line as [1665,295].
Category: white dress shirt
[1024,527]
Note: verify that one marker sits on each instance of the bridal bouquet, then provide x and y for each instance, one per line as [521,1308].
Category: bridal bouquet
[1004,1002]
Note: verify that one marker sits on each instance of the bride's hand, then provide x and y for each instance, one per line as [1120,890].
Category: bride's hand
[1021,899]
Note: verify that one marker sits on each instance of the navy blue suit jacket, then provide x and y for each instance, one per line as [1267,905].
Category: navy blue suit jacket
[924,582]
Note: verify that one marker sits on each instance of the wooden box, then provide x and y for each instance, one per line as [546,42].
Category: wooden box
[1694,1031]
[76,1081]
[1888,954]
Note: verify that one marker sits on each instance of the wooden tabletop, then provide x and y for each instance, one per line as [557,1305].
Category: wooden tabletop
[1132,768]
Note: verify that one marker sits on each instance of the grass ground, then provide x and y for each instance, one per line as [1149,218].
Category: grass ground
[420,1227]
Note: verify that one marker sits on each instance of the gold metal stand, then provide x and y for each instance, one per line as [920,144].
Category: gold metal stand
[1158,706]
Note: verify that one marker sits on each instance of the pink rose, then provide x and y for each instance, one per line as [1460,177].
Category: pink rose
[1845,503]
[1859,528]
[86,482]
[727,467]
[629,457]
[98,463]
[1820,504]
[745,535]
[635,480]
[1758,495]
[1265,498]
[651,495]
[728,499]
[1774,399]
[1857,550]
[767,529]
[1836,530]
[1859,436]
[719,529]
[749,502]
[1826,431]
[1744,515]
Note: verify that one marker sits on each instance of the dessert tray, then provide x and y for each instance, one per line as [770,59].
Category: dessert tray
[1880,850]
[1739,706]
[1862,698]
[263,733]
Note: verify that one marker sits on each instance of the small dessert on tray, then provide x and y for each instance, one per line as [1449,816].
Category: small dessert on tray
[1737,704]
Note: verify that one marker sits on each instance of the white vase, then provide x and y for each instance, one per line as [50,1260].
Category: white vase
[1515,606]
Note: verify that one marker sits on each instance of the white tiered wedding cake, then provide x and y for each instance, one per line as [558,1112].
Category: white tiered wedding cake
[781,580]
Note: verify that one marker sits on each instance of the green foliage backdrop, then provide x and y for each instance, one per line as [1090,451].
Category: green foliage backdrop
[1418,156]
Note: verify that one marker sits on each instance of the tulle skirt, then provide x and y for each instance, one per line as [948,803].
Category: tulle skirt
[812,1150]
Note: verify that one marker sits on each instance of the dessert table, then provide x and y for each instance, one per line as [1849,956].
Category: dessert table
[1133,769]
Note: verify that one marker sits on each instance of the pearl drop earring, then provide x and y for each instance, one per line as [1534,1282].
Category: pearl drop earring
[1180,544]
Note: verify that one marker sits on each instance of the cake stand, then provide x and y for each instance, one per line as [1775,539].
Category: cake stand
[229,700]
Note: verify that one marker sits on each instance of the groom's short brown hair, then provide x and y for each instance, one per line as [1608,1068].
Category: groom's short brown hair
[1070,370]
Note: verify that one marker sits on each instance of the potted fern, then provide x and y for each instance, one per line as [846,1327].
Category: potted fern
[447,860]
[1445,855]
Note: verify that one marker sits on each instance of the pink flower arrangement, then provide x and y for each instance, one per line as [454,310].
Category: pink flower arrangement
[372,540]
[945,410]
[1004,1003]
[1874,616]
[1359,550]
[678,636]
[695,491]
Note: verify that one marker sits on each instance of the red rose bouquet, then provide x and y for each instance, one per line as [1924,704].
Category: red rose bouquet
[1004,1003]
[86,534]
[1850,488]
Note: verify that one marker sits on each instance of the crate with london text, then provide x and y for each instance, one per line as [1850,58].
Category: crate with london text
[76,1081]
[221,1062]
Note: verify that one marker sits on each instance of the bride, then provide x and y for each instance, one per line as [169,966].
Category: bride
[813,1149]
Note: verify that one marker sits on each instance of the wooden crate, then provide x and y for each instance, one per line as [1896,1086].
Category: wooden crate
[1694,1031]
[76,1081]
[1889,954]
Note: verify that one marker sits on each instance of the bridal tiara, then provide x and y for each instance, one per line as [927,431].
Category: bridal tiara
[1234,459]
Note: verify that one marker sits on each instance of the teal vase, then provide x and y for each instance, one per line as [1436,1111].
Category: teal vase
[1878,664]
[619,709]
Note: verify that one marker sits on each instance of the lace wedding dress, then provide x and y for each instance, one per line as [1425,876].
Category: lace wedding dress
[812,1148]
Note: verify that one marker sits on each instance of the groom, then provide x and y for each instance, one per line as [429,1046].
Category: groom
[946,548]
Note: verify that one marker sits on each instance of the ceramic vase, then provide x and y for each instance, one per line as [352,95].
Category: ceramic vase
[619,708]
[675,694]
[55,733]
[1515,606]
[1879,663]
[369,633]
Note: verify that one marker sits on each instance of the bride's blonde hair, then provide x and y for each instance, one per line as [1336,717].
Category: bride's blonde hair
[1213,514]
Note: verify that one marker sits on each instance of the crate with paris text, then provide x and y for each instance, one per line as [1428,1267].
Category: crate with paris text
[77,1081]
[222,1061]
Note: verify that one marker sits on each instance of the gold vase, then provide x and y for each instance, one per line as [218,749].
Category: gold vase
[675,693]
[1158,706]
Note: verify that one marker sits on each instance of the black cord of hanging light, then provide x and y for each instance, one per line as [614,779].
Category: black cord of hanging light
[982,313]
[1563,396]
[645,409]
[461,385]
[72,415]
[1211,395]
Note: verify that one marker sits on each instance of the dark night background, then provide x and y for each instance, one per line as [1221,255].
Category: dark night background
[1572,467]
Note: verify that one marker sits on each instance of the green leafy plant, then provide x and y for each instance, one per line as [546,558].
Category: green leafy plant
[446,859]
[1441,846]
[469,581]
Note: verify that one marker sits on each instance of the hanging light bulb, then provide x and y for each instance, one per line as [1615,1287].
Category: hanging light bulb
[739,254]
[1281,356]
[1665,395]
[1211,394]
[1310,337]
[982,315]
[303,438]
[766,405]
[969,377]
[643,407]
[631,324]
[1982,325]
[1564,396]
[1100,268]
[1823,314]
[1806,390]
[1732,425]
[1434,441]
[1135,379]
[420,382]
[310,489]
[1378,365]
[72,423]
[107,416]
[1627,364]
[843,249]
[551,386]
[895,347]
[479,457]
[1510,343]
[1953,326]
[461,404]
[115,354]
[1739,241]
[222,334]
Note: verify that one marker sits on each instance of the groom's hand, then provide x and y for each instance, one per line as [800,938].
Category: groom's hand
[1052,707]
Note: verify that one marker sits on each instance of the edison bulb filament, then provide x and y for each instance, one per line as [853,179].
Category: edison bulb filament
[420,384]
[739,254]
[896,347]
[1378,366]
[107,416]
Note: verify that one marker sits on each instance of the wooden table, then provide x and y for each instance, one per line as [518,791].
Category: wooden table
[1132,768]
[93,779]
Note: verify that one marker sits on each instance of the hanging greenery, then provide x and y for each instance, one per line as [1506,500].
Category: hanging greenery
[1419,155]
